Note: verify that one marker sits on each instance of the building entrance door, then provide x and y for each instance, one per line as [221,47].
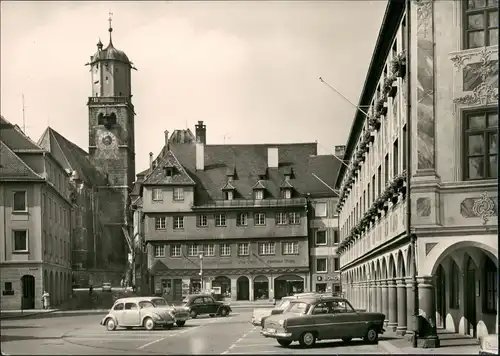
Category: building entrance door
[28,285]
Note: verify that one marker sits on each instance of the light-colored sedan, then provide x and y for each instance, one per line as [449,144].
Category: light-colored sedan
[147,312]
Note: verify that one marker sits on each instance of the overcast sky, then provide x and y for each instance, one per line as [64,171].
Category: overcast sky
[248,69]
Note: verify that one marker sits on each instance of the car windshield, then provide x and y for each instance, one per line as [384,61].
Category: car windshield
[284,303]
[298,307]
[159,302]
[146,304]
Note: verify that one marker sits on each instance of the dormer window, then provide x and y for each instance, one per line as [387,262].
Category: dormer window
[259,194]
[229,195]
[287,193]
[169,172]
[228,190]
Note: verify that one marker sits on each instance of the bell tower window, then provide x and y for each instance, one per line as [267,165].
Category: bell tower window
[107,120]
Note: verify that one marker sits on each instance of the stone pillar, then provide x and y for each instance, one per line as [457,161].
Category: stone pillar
[401,306]
[234,289]
[378,297]
[392,304]
[371,297]
[250,288]
[410,306]
[366,295]
[385,301]
[427,337]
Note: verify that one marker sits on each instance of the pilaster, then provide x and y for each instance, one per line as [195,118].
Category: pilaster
[392,304]
[410,306]
[378,291]
[385,300]
[401,306]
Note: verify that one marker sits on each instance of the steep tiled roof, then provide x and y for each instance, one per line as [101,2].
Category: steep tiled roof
[13,137]
[71,156]
[13,168]
[158,176]
[249,162]
[228,186]
[286,184]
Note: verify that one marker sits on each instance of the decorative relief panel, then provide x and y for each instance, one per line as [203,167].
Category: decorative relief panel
[483,207]
[479,76]
[423,207]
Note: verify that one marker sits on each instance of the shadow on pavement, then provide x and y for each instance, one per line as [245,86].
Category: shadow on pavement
[7,327]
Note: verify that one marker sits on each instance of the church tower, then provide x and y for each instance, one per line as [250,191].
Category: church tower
[111,133]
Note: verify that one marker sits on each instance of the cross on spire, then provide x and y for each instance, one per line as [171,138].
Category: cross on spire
[110,20]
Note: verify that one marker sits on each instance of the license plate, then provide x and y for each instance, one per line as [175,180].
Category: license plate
[273,331]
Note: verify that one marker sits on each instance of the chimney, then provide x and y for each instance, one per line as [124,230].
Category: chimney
[200,155]
[201,132]
[150,161]
[166,138]
[340,151]
[272,157]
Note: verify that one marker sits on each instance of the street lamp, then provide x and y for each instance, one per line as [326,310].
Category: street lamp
[201,272]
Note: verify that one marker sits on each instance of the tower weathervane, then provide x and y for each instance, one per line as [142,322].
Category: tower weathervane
[110,20]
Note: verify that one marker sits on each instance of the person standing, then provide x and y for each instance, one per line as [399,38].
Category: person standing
[46,300]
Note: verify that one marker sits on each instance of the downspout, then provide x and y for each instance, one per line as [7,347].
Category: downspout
[409,234]
[94,225]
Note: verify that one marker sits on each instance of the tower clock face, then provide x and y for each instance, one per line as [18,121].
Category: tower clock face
[106,139]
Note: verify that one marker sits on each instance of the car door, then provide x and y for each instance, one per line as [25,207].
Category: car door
[345,315]
[323,321]
[131,315]
[210,305]
[118,311]
[198,305]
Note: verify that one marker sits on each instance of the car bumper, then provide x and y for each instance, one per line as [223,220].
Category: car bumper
[276,335]
[164,322]
[488,352]
[181,318]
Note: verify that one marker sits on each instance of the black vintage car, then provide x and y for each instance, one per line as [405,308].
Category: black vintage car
[200,304]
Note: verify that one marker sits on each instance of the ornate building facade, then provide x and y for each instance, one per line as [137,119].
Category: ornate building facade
[453,68]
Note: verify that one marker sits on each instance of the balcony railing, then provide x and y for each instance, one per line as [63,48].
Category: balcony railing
[249,203]
[108,100]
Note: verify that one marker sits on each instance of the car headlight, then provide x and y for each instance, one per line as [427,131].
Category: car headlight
[281,322]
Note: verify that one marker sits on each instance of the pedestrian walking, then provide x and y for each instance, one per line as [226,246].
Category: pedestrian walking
[46,300]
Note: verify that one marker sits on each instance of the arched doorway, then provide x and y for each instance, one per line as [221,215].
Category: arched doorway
[28,287]
[222,286]
[288,284]
[441,297]
[260,288]
[243,288]
[470,297]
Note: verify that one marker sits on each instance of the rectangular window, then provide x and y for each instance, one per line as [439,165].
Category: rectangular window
[490,288]
[368,191]
[294,218]
[480,23]
[290,248]
[244,249]
[157,194]
[267,248]
[241,219]
[220,220]
[193,250]
[175,250]
[481,153]
[178,194]
[160,223]
[8,286]
[405,147]
[229,195]
[20,240]
[43,204]
[386,169]
[20,202]
[321,265]
[201,221]
[395,157]
[160,251]
[336,264]
[321,238]
[374,196]
[287,194]
[178,222]
[49,208]
[336,237]
[225,250]
[259,219]
[379,180]
[281,218]
[320,209]
[209,250]
[259,194]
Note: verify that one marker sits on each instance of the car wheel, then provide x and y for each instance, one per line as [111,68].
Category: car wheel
[346,339]
[307,339]
[149,324]
[193,314]
[180,322]
[371,336]
[110,324]
[223,312]
[284,343]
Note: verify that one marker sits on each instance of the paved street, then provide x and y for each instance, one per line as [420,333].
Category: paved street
[78,335]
